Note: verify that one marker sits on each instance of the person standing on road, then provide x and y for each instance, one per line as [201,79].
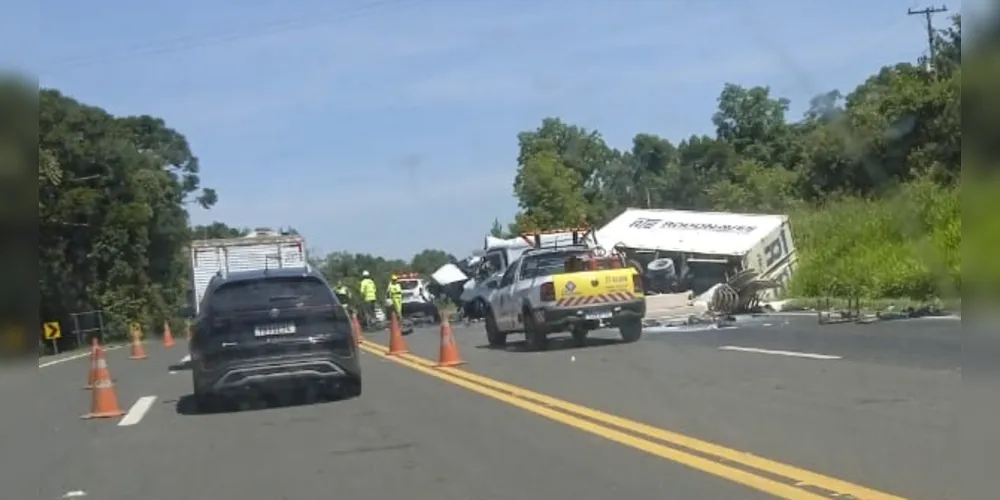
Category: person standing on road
[369,296]
[343,295]
[395,292]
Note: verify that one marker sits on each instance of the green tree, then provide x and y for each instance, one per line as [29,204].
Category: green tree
[112,202]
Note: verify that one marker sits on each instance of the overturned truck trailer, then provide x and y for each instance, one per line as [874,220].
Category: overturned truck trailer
[733,261]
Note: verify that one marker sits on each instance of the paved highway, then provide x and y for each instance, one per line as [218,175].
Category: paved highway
[778,407]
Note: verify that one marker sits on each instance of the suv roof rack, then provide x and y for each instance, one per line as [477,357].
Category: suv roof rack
[579,234]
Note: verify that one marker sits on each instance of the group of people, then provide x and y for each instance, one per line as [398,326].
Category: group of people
[368,292]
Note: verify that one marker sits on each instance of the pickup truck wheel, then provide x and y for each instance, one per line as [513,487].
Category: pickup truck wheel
[630,330]
[534,336]
[494,336]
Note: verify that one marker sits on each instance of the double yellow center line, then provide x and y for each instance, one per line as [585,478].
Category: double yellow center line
[775,478]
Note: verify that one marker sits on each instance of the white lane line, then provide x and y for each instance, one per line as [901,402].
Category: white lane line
[137,411]
[75,356]
[793,354]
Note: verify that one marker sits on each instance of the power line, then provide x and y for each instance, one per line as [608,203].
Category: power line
[928,14]
[187,43]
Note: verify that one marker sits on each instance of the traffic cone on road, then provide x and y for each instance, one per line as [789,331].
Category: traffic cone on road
[449,350]
[92,371]
[138,351]
[168,336]
[356,329]
[397,345]
[104,401]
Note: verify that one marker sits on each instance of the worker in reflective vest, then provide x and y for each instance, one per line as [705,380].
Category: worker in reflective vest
[395,292]
[343,295]
[369,296]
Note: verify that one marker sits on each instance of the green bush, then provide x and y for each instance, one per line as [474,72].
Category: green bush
[905,245]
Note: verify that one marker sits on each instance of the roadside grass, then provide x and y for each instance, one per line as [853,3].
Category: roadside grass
[901,250]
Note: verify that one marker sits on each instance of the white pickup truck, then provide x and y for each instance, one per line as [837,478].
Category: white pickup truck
[261,249]
[551,290]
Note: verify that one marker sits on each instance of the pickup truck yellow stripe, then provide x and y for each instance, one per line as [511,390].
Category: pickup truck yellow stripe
[606,298]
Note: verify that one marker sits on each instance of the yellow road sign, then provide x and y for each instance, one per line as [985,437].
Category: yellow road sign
[52,330]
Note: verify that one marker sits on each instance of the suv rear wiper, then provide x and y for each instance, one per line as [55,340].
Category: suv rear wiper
[277,298]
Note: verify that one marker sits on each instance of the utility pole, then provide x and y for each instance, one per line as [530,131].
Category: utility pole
[928,14]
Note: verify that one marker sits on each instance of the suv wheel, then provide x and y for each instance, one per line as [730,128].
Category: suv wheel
[350,389]
[494,336]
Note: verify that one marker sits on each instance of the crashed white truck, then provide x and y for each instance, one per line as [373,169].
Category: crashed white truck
[732,262]
[466,282]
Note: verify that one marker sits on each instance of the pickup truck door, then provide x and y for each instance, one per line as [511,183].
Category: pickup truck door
[503,298]
[525,288]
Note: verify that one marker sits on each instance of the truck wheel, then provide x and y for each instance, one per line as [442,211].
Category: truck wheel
[630,330]
[534,336]
[494,336]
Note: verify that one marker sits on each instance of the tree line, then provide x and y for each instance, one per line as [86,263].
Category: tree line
[870,177]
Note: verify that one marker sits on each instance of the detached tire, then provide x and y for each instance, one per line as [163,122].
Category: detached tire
[630,330]
[494,337]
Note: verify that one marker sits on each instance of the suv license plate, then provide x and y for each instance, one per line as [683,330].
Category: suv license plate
[600,315]
[278,329]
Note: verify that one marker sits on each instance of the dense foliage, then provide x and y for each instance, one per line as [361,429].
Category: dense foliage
[871,177]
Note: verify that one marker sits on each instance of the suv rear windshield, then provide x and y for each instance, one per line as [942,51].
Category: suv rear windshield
[266,293]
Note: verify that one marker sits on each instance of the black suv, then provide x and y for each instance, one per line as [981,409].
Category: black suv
[272,331]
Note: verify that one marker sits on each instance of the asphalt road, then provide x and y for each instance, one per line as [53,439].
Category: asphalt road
[778,408]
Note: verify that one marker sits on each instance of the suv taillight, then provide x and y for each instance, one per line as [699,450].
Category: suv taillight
[548,292]
[636,283]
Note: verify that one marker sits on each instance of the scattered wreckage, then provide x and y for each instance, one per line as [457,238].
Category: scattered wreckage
[706,264]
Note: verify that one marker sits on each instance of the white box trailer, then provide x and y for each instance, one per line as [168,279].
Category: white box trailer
[261,249]
[763,243]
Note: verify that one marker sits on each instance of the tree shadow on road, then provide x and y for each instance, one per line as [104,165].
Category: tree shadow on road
[554,344]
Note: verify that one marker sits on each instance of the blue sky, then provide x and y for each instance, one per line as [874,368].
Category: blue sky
[390,126]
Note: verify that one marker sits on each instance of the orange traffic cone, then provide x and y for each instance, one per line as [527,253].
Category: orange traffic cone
[92,371]
[449,351]
[104,402]
[397,345]
[168,336]
[356,329]
[138,351]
